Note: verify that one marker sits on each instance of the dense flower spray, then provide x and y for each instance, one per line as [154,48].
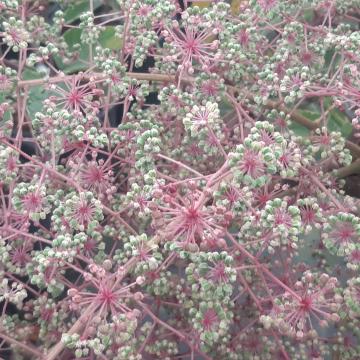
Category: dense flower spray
[172,179]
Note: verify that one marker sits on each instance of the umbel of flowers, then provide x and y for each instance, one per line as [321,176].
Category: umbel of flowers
[172,179]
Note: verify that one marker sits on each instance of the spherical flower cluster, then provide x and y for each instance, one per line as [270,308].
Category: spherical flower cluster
[7,78]
[144,250]
[15,36]
[314,300]
[31,201]
[310,212]
[8,165]
[202,117]
[175,179]
[341,233]
[255,159]
[327,145]
[211,321]
[14,293]
[352,297]
[82,211]
[90,33]
[283,221]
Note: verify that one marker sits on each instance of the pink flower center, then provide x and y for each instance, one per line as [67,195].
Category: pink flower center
[144,10]
[84,213]
[308,216]
[107,296]
[143,254]
[282,218]
[89,245]
[93,176]
[344,234]
[306,58]
[263,199]
[252,165]
[74,99]
[243,37]
[209,319]
[285,160]
[355,256]
[306,304]
[46,314]
[209,89]
[192,216]
[32,202]
[20,257]
[11,164]
[192,45]
[218,273]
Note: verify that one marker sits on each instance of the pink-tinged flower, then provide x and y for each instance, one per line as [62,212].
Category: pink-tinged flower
[144,10]
[90,247]
[267,137]
[82,211]
[20,255]
[354,259]
[185,219]
[210,319]
[76,95]
[250,343]
[191,44]
[313,300]
[310,212]
[282,217]
[267,5]
[232,195]
[281,123]
[252,164]
[5,82]
[243,37]
[32,202]
[95,175]
[218,273]
[195,150]
[11,163]
[342,233]
[292,83]
[106,292]
[290,160]
[210,87]
[308,58]
[268,192]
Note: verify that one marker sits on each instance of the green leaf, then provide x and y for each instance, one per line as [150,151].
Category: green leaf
[74,11]
[37,94]
[301,130]
[309,15]
[225,107]
[72,38]
[337,120]
[109,39]
[30,74]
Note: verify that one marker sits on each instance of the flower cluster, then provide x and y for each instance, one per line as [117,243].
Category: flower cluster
[175,179]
